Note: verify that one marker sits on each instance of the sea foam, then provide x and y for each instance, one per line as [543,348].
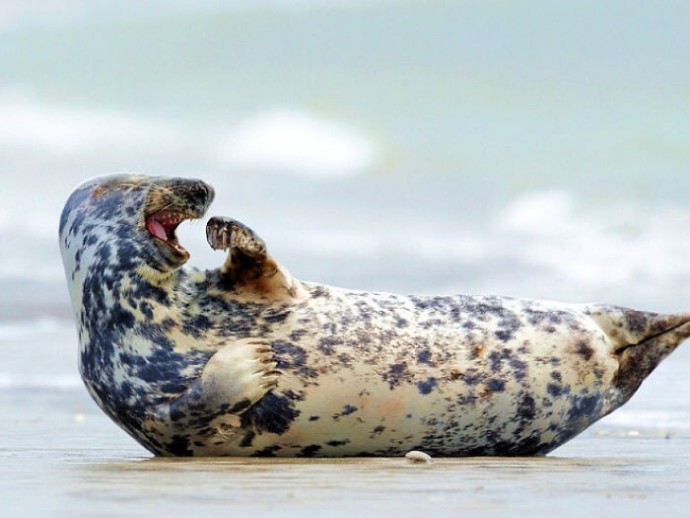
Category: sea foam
[291,141]
[66,130]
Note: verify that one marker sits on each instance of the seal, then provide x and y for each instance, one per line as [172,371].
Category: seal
[245,360]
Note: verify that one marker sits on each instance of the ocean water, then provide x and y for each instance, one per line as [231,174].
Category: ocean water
[535,149]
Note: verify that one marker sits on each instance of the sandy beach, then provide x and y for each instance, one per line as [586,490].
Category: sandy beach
[62,457]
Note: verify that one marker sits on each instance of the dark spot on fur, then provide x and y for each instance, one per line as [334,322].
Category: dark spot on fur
[471,377]
[527,410]
[585,407]
[345,360]
[526,446]
[519,368]
[310,451]
[121,317]
[298,334]
[554,390]
[196,326]
[248,440]
[177,415]
[636,321]
[347,410]
[426,387]
[424,356]
[396,375]
[496,385]
[180,446]
[168,324]
[268,452]
[401,323]
[320,292]
[336,444]
[496,361]
[146,309]
[585,350]
[504,335]
[276,318]
[272,414]
[327,345]
[291,356]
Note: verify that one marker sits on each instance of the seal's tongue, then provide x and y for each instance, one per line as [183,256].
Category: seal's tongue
[157,229]
[162,224]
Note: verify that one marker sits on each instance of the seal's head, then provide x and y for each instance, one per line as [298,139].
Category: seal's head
[133,216]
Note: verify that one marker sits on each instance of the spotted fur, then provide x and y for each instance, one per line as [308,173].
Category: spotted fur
[246,360]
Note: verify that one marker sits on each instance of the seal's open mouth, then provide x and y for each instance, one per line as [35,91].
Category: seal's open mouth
[168,203]
[162,225]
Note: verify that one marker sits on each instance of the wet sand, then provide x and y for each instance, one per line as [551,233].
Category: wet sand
[61,457]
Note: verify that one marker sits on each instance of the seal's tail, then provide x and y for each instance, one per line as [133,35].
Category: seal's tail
[640,341]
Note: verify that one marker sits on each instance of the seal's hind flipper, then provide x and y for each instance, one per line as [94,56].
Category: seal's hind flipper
[639,340]
[249,267]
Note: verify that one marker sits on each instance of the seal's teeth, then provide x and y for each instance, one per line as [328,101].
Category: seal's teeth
[171,220]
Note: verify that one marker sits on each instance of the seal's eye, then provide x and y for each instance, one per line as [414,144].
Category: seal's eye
[162,226]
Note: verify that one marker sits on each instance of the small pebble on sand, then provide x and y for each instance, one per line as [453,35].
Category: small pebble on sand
[418,457]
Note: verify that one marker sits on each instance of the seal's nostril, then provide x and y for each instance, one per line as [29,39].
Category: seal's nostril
[211,192]
[201,193]
[207,192]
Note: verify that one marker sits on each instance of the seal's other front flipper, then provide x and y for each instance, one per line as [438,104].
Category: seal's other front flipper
[234,379]
[249,267]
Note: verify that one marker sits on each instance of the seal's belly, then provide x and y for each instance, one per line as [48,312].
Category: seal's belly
[455,392]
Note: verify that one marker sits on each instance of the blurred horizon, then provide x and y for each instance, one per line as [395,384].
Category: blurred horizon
[538,150]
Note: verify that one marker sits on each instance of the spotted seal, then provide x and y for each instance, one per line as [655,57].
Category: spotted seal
[245,360]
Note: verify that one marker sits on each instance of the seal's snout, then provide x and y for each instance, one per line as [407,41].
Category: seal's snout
[188,196]
[200,196]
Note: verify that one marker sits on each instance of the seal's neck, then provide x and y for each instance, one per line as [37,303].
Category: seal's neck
[155,276]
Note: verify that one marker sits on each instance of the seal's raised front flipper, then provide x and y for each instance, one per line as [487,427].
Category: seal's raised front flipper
[640,341]
[230,234]
[248,266]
